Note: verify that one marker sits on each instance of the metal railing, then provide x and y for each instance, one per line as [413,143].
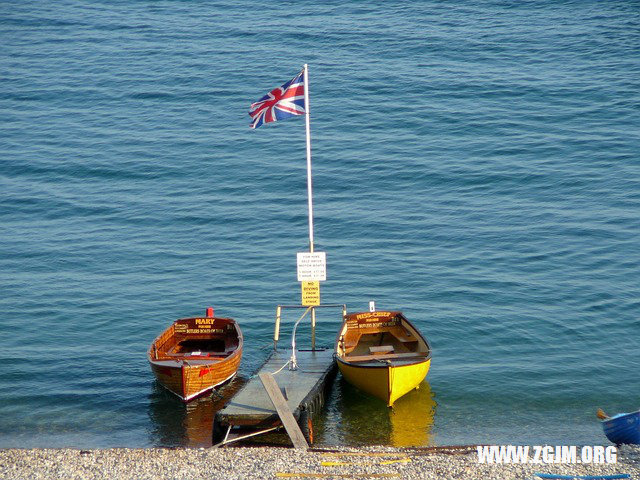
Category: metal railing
[279,308]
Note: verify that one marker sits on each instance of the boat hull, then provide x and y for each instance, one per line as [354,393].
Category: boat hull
[623,428]
[195,355]
[386,382]
[192,381]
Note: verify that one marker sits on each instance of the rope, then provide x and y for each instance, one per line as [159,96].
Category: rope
[281,368]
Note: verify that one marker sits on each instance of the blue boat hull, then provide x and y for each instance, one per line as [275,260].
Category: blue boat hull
[623,428]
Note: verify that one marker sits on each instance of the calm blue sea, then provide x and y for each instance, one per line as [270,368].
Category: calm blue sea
[476,165]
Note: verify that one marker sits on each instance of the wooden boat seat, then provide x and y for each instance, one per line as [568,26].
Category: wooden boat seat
[200,353]
[389,356]
[404,339]
[350,340]
[402,335]
[202,347]
[381,349]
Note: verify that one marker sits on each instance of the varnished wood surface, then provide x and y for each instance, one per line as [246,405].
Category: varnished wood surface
[189,374]
[363,334]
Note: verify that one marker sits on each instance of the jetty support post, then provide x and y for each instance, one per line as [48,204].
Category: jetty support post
[313,328]
[276,333]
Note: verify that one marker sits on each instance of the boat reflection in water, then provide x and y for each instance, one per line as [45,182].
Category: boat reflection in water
[351,418]
[355,418]
[412,418]
[177,424]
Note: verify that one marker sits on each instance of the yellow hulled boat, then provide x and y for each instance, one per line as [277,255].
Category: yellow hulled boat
[382,353]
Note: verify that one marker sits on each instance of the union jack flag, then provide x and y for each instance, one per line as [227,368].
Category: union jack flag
[280,103]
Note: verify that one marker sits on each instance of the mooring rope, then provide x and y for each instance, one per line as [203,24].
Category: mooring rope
[281,368]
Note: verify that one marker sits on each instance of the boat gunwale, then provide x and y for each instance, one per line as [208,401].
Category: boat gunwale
[343,359]
[181,360]
[619,416]
[370,364]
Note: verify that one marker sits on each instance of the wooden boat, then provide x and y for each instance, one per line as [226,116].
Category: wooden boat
[621,428]
[195,355]
[382,353]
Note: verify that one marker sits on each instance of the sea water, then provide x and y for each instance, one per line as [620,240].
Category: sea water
[475,165]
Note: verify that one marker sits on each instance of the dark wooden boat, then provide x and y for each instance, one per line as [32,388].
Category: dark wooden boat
[382,353]
[195,355]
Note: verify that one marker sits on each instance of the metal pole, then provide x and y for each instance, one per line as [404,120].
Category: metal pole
[309,189]
[293,363]
[309,183]
[276,333]
[313,328]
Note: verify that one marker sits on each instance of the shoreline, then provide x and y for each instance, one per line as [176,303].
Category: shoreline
[282,462]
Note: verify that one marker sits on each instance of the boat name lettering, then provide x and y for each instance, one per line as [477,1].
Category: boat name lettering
[373,315]
[378,324]
[205,330]
[205,321]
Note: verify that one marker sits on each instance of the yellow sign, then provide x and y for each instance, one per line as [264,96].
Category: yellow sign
[310,293]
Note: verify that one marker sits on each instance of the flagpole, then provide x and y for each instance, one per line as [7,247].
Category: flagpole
[309,183]
[309,190]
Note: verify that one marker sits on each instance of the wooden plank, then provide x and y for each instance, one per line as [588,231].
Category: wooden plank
[390,356]
[280,404]
[381,349]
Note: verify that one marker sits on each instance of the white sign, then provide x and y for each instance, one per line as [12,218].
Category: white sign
[312,266]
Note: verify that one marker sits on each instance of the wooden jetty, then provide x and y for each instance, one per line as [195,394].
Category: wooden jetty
[286,384]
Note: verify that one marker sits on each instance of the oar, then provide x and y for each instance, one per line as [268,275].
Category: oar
[601,415]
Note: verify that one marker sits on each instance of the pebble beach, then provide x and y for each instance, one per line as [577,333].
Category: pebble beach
[272,463]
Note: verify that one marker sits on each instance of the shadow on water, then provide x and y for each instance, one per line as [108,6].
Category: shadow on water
[354,418]
[176,424]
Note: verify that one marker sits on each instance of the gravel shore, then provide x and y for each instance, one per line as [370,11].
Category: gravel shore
[272,463]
